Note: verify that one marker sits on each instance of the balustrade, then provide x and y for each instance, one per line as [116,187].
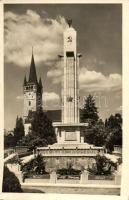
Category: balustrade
[69,151]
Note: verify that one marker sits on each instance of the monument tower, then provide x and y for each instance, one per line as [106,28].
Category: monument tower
[70,146]
[70,111]
[69,130]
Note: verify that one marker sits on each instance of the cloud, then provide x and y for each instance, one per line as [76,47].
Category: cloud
[51,100]
[19,98]
[47,96]
[56,74]
[50,96]
[96,81]
[22,31]
[119,108]
[91,81]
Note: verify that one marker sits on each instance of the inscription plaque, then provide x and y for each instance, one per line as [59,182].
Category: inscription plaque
[70,136]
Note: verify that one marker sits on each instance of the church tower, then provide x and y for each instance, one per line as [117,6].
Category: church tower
[33,90]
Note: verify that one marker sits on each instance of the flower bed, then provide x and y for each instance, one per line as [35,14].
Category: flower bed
[75,177]
[68,173]
[100,177]
[35,176]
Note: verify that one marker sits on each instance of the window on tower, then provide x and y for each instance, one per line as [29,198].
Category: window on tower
[29,103]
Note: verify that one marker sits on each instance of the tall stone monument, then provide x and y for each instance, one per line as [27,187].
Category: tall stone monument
[70,147]
[69,130]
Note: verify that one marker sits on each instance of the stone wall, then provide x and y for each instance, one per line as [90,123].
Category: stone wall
[58,162]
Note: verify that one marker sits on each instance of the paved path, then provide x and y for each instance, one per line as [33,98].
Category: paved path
[72,189]
[15,168]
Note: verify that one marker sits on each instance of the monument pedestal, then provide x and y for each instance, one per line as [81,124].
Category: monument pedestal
[69,132]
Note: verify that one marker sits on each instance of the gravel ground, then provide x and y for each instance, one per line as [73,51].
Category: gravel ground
[71,190]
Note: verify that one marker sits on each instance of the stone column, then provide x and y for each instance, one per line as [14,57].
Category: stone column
[53,177]
[57,134]
[117,179]
[62,138]
[78,136]
[84,177]
[118,175]
[82,139]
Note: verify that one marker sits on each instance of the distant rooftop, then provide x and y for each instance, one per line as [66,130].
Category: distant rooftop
[55,115]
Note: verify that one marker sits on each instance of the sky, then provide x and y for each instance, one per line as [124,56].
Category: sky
[99,40]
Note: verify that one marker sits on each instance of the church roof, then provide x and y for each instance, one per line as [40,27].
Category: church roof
[32,75]
[55,115]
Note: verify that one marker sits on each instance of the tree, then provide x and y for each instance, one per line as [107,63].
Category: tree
[42,127]
[19,129]
[113,127]
[9,141]
[42,132]
[10,182]
[99,133]
[90,112]
[32,141]
[37,142]
[95,134]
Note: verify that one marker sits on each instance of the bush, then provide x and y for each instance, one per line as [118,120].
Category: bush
[10,182]
[35,166]
[103,166]
[65,171]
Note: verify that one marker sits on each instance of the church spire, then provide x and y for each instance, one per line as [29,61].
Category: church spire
[32,75]
[40,83]
[25,80]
